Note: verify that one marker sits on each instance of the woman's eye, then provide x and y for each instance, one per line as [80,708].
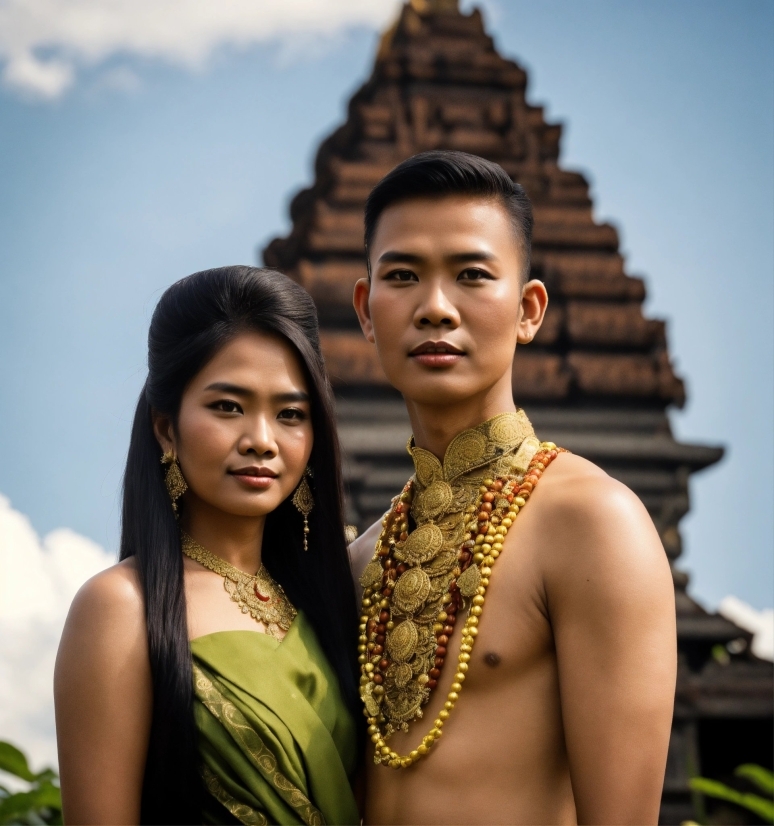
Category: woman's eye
[293,413]
[401,275]
[226,406]
[473,274]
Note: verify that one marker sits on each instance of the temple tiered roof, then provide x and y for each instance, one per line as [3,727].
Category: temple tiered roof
[597,379]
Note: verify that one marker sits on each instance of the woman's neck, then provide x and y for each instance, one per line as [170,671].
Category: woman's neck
[237,539]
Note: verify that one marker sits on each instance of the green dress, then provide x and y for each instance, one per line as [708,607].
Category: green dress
[276,740]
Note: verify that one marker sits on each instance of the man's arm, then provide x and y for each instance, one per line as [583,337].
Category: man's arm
[610,600]
[361,551]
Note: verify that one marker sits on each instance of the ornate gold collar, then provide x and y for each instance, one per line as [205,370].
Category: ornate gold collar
[495,439]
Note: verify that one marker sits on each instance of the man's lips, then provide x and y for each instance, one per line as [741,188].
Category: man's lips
[254,477]
[436,354]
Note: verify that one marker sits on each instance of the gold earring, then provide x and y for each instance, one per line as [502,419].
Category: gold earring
[304,502]
[173,479]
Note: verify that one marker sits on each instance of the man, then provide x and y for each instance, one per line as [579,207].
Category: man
[519,601]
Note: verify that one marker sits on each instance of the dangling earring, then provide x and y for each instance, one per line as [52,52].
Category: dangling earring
[173,479]
[304,502]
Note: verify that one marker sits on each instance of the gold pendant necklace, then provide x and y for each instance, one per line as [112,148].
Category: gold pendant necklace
[258,595]
[420,580]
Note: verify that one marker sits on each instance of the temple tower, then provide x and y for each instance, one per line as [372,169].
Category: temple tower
[597,379]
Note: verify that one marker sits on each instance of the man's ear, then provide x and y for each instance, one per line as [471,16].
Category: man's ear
[360,303]
[534,301]
[164,432]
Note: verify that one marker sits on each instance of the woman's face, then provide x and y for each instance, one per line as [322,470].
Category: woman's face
[244,433]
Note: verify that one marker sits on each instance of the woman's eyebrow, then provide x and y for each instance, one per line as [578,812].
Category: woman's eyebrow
[295,396]
[226,387]
[237,390]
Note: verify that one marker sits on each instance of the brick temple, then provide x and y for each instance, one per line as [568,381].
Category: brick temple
[598,377]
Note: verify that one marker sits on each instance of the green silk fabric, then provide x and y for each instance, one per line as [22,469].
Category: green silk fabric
[276,740]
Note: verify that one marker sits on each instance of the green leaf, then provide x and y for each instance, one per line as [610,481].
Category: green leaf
[16,806]
[761,777]
[752,802]
[14,762]
[26,804]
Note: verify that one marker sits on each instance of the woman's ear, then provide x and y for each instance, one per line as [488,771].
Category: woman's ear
[164,432]
[534,300]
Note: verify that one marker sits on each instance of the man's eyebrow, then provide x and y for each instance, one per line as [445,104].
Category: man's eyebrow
[397,256]
[392,256]
[473,255]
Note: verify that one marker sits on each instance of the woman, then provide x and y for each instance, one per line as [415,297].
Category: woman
[170,708]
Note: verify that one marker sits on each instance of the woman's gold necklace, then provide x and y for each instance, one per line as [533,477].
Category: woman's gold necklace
[258,595]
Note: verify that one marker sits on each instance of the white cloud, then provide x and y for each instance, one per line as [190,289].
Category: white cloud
[38,580]
[759,623]
[43,43]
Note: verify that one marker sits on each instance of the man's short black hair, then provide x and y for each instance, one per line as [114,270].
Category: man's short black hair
[442,173]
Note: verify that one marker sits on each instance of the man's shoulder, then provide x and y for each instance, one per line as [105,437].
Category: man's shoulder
[361,550]
[587,514]
[575,488]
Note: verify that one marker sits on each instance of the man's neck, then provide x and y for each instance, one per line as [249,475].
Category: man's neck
[435,425]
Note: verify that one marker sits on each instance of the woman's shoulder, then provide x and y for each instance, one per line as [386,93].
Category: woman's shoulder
[109,604]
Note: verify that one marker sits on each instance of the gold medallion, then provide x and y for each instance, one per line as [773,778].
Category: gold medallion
[426,466]
[402,641]
[434,499]
[411,590]
[372,573]
[464,452]
[402,674]
[403,703]
[508,429]
[423,544]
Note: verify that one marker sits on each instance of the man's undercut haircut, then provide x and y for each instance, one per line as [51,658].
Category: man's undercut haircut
[445,173]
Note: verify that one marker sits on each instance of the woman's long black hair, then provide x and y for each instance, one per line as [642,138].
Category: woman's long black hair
[193,320]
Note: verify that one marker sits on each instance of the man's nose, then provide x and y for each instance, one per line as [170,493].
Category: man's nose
[436,309]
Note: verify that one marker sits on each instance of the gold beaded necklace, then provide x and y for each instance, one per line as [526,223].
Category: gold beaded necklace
[258,595]
[401,656]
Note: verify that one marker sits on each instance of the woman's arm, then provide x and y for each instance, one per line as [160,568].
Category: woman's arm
[103,700]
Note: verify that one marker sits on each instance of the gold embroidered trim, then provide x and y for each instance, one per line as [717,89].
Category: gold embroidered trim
[232,719]
[241,811]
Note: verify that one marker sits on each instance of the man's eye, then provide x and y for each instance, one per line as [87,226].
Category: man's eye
[226,406]
[473,274]
[401,275]
[293,413]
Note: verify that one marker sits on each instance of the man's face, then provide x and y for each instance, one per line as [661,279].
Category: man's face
[444,302]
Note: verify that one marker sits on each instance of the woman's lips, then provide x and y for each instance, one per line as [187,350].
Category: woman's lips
[255,482]
[257,479]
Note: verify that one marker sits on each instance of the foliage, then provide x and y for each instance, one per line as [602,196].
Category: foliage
[761,778]
[40,804]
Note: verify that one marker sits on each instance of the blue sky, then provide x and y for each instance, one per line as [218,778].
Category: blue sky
[144,170]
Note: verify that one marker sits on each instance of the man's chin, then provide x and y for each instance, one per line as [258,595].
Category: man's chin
[438,387]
